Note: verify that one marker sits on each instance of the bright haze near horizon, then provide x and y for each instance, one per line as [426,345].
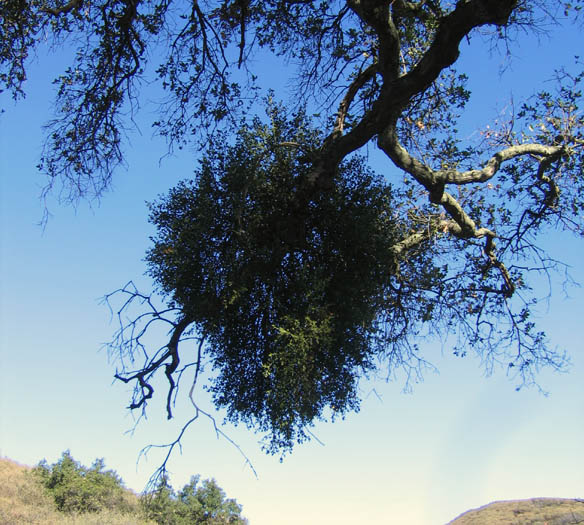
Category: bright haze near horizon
[461,439]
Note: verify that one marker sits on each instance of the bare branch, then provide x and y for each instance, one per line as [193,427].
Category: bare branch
[402,247]
[360,80]
[170,447]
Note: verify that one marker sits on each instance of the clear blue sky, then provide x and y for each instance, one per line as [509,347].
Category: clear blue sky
[459,441]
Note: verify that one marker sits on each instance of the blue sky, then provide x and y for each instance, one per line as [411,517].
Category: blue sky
[460,440]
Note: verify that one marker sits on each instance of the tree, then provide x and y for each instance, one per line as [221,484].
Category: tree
[293,268]
[203,504]
[206,504]
[160,504]
[77,488]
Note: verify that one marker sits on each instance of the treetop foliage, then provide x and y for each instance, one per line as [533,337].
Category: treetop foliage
[286,262]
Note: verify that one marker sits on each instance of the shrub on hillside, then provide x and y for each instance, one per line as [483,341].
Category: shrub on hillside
[76,488]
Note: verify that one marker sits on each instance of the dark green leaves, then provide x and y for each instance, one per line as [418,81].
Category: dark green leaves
[284,281]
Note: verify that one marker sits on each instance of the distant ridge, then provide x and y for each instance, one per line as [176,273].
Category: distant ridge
[535,511]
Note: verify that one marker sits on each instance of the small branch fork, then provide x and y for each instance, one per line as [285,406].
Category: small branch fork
[162,470]
[129,339]
[171,353]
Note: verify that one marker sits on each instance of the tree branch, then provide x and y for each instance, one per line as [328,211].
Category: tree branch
[435,180]
[359,81]
[170,368]
[401,247]
[396,93]
[377,15]
[463,226]
[494,163]
[66,8]
[443,52]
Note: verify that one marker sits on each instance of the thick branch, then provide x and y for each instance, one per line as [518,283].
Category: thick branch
[389,144]
[399,248]
[435,180]
[462,225]
[396,93]
[66,8]
[142,375]
[170,368]
[376,14]
[453,27]
[494,163]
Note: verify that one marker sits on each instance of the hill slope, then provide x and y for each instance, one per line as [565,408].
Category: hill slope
[536,511]
[23,500]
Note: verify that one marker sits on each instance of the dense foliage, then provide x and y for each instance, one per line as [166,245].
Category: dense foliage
[286,289]
[77,489]
[292,266]
[196,503]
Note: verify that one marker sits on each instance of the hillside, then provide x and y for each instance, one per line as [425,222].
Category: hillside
[23,500]
[536,511]
[69,493]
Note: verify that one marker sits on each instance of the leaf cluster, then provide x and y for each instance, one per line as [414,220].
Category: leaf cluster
[298,290]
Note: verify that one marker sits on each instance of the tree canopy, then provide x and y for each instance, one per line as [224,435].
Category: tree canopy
[286,262]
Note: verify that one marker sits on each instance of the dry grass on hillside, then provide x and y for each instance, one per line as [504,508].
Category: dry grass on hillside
[23,501]
[537,511]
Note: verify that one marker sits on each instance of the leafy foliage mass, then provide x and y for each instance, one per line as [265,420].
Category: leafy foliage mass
[78,490]
[197,503]
[286,262]
[286,289]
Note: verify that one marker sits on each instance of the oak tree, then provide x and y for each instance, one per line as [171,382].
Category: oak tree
[286,262]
